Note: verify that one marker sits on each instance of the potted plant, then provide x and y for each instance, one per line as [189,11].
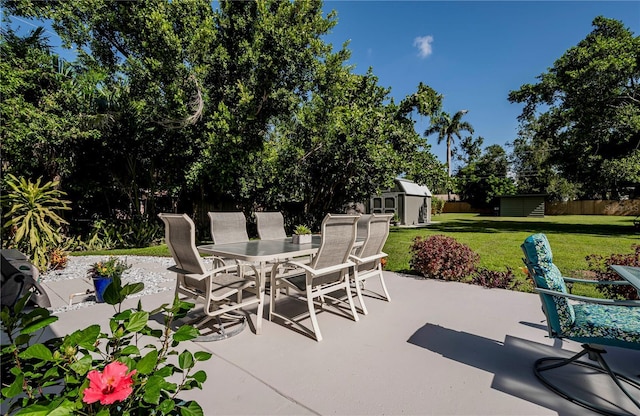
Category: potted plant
[301,235]
[103,272]
[395,220]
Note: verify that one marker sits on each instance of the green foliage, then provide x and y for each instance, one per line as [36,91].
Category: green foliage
[51,377]
[442,257]
[485,177]
[496,279]
[601,265]
[447,127]
[301,230]
[113,267]
[437,205]
[242,96]
[32,217]
[131,233]
[581,121]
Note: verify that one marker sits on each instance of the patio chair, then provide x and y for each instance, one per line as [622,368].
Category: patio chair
[593,322]
[270,225]
[368,256]
[228,227]
[19,278]
[214,288]
[328,272]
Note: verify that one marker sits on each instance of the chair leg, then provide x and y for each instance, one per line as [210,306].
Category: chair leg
[384,286]
[595,354]
[312,314]
[360,298]
[350,299]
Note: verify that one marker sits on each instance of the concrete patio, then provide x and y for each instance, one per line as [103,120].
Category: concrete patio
[438,348]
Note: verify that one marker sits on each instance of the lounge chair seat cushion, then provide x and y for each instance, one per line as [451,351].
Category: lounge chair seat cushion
[593,321]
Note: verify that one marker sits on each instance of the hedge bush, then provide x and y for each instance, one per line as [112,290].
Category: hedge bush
[442,257]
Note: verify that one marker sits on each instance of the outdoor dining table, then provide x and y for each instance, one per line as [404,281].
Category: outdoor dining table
[629,273]
[262,253]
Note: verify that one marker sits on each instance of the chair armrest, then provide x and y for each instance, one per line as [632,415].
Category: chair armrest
[208,273]
[359,260]
[635,303]
[316,272]
[599,282]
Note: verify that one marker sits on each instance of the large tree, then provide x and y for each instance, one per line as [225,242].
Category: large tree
[447,128]
[485,177]
[583,116]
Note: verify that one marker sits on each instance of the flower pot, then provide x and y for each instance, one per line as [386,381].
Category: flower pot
[301,239]
[100,283]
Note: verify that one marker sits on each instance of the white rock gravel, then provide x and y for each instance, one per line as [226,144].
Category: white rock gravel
[145,269]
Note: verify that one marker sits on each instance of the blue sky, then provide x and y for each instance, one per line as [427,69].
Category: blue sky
[476,52]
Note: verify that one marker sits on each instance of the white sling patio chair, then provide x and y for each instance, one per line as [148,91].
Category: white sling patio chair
[228,227]
[215,288]
[327,273]
[368,256]
[270,225]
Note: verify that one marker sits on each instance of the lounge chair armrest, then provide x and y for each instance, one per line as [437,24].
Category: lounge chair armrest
[359,260]
[586,299]
[598,282]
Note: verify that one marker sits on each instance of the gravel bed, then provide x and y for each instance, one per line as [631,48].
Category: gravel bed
[78,267]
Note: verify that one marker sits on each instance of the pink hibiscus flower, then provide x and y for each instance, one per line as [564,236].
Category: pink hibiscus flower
[110,386]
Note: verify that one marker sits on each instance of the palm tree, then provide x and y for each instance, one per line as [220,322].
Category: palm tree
[447,127]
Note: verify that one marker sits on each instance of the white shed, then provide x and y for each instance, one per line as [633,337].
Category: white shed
[410,201]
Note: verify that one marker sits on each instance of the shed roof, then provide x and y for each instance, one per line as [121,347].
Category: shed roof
[412,188]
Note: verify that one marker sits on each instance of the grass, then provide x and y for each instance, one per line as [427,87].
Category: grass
[497,240]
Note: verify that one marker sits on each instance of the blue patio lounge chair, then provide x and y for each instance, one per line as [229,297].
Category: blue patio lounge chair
[593,322]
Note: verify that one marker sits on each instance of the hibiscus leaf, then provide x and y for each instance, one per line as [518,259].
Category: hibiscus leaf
[191,409]
[185,333]
[185,360]
[62,409]
[83,365]
[38,351]
[37,324]
[167,405]
[148,362]
[130,350]
[15,388]
[200,376]
[202,355]
[34,410]
[137,321]
[131,288]
[87,337]
[152,389]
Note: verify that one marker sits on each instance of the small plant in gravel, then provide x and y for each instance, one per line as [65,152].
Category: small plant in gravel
[442,257]
[495,279]
[602,268]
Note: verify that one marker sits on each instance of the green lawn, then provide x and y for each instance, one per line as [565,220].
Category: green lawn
[497,239]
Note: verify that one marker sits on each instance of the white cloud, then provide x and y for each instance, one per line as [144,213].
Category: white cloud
[424,45]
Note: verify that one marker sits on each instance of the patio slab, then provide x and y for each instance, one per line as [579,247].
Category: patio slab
[438,348]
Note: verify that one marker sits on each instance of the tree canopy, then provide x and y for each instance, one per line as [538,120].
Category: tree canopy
[581,121]
[242,105]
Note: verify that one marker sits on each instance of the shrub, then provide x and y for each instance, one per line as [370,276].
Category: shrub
[90,372]
[33,219]
[131,233]
[442,257]
[437,205]
[495,279]
[601,266]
